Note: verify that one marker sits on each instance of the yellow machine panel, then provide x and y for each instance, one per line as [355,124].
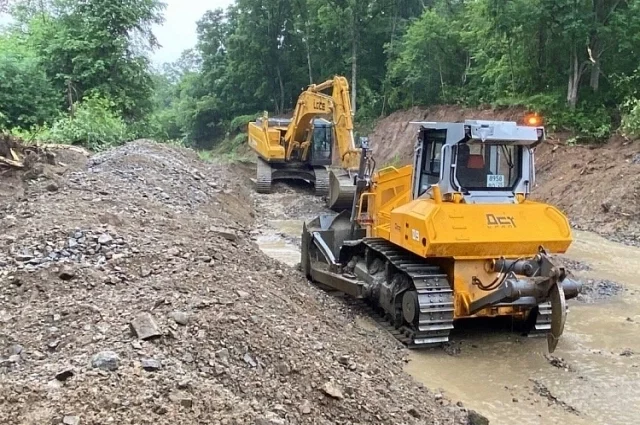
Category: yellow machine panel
[265,141]
[464,231]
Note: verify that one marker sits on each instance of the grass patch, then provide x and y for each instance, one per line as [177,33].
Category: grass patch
[206,156]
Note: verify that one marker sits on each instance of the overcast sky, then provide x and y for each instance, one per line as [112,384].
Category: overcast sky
[179,30]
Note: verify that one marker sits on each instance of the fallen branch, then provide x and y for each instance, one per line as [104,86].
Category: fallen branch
[11,162]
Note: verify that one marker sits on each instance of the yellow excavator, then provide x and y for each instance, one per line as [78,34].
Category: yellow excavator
[303,147]
[452,236]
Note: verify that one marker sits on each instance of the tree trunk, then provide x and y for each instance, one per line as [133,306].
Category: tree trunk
[354,66]
[539,84]
[594,81]
[444,94]
[575,74]
[70,99]
[309,56]
[281,83]
[384,82]
[306,42]
[595,53]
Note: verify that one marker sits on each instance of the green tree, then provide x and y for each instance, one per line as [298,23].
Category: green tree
[98,47]
[27,97]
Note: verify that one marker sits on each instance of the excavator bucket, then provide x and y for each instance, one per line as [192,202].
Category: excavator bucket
[341,190]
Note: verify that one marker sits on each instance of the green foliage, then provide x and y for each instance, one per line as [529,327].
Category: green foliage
[516,53]
[93,125]
[591,124]
[27,97]
[90,49]
[62,51]
[206,156]
[631,119]
[573,61]
[240,123]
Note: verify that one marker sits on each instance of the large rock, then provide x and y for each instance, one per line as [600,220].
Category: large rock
[180,317]
[150,365]
[66,272]
[332,390]
[106,360]
[228,234]
[145,327]
[105,239]
[476,418]
[71,420]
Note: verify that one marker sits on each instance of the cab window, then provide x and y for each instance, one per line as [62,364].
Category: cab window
[488,167]
[430,167]
[322,142]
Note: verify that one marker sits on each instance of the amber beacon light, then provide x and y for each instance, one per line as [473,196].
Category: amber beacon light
[533,120]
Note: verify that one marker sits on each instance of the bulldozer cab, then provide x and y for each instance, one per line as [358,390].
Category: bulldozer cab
[321,143]
[484,161]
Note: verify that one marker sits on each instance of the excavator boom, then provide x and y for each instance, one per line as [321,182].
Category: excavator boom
[299,150]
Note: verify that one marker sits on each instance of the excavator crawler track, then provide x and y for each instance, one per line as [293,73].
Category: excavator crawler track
[321,181]
[263,179]
[433,293]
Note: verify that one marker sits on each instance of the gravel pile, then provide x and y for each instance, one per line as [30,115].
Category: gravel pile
[597,289]
[132,293]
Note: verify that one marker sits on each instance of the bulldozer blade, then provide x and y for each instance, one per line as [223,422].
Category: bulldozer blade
[558,316]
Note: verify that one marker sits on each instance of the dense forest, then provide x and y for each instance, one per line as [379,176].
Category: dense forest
[80,71]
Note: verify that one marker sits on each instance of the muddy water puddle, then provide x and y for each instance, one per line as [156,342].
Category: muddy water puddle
[278,240]
[509,378]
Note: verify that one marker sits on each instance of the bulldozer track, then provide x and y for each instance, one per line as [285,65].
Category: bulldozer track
[263,178]
[434,297]
[321,181]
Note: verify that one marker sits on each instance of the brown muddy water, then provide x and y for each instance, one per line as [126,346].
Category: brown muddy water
[593,378]
[277,240]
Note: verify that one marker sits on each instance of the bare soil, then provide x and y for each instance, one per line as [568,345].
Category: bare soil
[131,292]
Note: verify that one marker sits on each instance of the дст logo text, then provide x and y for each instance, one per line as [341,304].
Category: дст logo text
[500,220]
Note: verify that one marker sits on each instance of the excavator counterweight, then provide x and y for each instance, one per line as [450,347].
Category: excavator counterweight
[304,146]
[453,236]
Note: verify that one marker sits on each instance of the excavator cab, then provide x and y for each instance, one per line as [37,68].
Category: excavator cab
[321,143]
[484,161]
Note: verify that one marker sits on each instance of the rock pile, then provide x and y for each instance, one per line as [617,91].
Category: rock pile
[120,305]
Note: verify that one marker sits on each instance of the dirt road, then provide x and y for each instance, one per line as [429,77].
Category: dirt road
[592,379]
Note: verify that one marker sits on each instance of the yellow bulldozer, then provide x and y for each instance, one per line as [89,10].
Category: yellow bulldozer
[453,236]
[303,147]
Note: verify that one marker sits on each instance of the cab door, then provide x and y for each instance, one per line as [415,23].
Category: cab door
[321,144]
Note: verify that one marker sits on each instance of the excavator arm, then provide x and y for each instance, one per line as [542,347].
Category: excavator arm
[314,102]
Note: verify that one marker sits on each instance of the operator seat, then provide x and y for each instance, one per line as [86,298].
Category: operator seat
[471,170]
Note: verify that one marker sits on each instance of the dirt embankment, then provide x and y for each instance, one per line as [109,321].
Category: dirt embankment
[597,186]
[131,292]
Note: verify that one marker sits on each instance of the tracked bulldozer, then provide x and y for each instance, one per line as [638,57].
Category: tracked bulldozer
[452,236]
[304,147]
